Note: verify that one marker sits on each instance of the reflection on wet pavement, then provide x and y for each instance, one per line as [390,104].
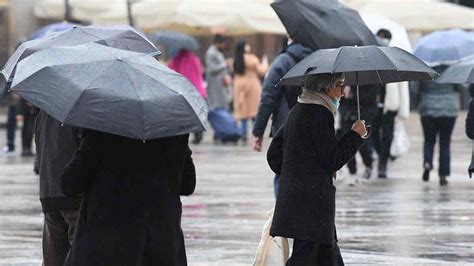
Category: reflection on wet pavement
[398,221]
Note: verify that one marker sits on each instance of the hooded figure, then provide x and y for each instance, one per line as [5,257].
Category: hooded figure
[131,208]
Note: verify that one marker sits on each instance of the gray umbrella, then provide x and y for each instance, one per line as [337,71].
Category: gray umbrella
[460,73]
[361,65]
[120,36]
[175,40]
[111,90]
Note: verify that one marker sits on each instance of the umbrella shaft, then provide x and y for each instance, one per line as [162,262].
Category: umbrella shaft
[358,100]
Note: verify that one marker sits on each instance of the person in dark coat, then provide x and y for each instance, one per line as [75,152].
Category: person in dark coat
[131,208]
[306,154]
[470,127]
[55,146]
[275,101]
[348,115]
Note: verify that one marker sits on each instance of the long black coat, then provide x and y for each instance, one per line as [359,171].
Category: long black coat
[305,153]
[131,208]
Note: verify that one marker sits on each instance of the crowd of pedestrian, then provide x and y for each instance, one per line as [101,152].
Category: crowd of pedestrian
[110,199]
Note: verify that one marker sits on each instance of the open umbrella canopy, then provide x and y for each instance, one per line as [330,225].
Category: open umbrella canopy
[445,47]
[115,91]
[121,37]
[175,40]
[320,24]
[362,65]
[460,73]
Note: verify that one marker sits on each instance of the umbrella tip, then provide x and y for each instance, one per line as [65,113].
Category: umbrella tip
[62,124]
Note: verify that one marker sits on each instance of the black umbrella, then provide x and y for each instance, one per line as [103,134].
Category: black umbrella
[320,24]
[361,65]
[460,73]
[175,40]
[121,37]
[115,91]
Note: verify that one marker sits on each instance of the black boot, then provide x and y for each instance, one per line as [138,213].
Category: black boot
[426,175]
[442,180]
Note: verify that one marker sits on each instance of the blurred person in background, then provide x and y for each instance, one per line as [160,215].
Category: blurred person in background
[348,116]
[218,77]
[438,109]
[188,64]
[247,86]
[470,127]
[276,101]
[393,102]
[19,109]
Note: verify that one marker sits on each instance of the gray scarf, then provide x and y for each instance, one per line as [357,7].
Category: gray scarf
[319,98]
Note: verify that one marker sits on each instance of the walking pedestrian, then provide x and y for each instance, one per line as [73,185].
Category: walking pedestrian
[55,145]
[393,102]
[247,86]
[131,208]
[438,109]
[348,116]
[22,108]
[218,77]
[470,127]
[276,101]
[188,64]
[306,154]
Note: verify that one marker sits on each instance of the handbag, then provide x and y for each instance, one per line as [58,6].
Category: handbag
[400,143]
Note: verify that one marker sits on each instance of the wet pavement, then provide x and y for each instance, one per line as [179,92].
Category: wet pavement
[398,221]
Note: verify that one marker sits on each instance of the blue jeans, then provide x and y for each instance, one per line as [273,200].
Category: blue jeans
[244,126]
[432,127]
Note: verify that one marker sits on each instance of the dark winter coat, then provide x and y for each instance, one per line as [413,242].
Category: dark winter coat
[131,208]
[470,121]
[305,153]
[273,101]
[55,146]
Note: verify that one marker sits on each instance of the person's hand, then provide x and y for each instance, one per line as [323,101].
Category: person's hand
[265,59]
[257,143]
[227,80]
[359,128]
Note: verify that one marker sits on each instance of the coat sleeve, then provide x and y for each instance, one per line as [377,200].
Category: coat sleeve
[275,152]
[333,153]
[470,121]
[82,167]
[213,63]
[188,180]
[271,95]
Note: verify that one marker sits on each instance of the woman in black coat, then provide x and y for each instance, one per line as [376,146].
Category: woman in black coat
[131,208]
[307,155]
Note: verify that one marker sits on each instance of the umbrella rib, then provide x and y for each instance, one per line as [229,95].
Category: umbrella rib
[83,91]
[139,97]
[335,60]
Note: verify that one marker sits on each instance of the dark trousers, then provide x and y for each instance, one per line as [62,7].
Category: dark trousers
[26,132]
[58,232]
[382,135]
[308,253]
[365,151]
[432,127]
[11,127]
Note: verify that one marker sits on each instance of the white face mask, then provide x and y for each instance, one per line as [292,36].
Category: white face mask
[385,41]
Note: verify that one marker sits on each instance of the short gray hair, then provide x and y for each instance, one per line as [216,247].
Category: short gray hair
[319,82]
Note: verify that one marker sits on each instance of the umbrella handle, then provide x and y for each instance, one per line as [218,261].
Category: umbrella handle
[369,132]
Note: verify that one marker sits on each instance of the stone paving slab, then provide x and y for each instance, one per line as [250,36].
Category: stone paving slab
[399,221]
